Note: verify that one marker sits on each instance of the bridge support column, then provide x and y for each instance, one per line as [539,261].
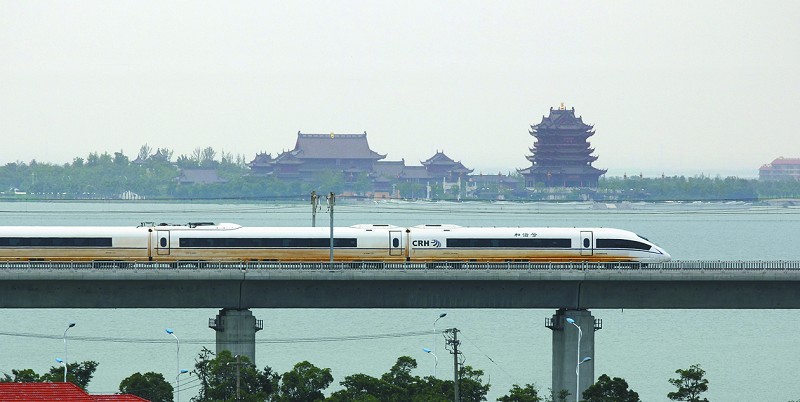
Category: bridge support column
[236,332]
[565,350]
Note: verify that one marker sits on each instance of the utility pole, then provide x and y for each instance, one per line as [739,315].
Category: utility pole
[331,203]
[314,208]
[452,345]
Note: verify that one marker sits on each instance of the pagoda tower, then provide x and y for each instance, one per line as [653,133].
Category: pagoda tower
[562,155]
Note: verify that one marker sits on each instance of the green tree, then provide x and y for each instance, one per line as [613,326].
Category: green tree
[24,375]
[400,373]
[528,393]
[437,192]
[364,388]
[120,159]
[561,396]
[470,385]
[218,377]
[362,184]
[151,386]
[397,385]
[79,374]
[304,383]
[690,384]
[607,389]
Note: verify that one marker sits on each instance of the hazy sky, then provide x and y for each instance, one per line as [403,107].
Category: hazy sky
[676,87]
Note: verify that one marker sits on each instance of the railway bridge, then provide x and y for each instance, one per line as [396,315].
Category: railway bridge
[572,289]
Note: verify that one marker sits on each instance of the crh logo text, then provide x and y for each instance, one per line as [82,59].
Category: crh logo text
[426,243]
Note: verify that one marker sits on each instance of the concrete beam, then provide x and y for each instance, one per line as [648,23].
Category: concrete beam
[235,289]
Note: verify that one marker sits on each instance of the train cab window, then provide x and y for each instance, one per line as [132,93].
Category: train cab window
[395,242]
[586,243]
[622,243]
[163,242]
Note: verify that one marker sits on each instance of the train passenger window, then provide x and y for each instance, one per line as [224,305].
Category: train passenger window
[163,242]
[55,242]
[268,242]
[395,242]
[510,243]
[586,243]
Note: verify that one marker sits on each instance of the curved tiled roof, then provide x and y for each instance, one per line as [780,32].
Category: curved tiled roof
[333,146]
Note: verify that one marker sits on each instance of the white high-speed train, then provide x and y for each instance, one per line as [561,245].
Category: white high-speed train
[376,243]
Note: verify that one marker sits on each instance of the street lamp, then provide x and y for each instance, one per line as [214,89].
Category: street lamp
[577,373]
[178,384]
[442,315]
[63,363]
[577,366]
[436,359]
[66,361]
[178,350]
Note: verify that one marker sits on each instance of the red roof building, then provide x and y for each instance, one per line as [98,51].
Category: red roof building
[781,169]
[55,391]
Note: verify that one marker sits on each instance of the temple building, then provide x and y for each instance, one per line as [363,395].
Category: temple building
[349,154]
[322,153]
[441,166]
[437,171]
[261,165]
[562,156]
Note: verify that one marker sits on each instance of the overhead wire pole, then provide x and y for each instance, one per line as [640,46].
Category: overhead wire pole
[331,203]
[314,207]
[453,343]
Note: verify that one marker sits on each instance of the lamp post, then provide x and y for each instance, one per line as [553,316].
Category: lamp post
[66,361]
[178,350]
[442,315]
[63,363]
[178,384]
[577,372]
[177,354]
[436,359]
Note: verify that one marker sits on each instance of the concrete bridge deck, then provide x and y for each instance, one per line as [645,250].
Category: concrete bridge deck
[675,284]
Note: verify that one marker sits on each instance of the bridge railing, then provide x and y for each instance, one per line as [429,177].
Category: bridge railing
[681,265]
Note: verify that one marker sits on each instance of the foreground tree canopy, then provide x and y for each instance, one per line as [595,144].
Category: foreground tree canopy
[151,386]
[225,377]
[607,389]
[79,374]
[690,383]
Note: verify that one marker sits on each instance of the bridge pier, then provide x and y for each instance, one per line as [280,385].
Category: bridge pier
[565,350]
[236,331]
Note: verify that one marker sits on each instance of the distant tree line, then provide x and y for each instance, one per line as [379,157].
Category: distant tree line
[108,176]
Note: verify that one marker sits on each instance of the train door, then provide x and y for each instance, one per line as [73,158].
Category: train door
[395,242]
[162,242]
[586,242]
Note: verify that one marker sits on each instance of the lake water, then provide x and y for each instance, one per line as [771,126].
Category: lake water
[748,355]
